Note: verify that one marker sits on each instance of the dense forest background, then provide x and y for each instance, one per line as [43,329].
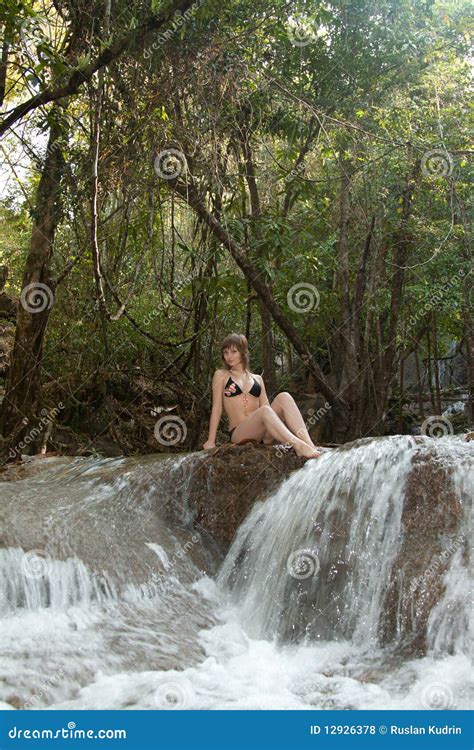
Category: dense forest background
[175,171]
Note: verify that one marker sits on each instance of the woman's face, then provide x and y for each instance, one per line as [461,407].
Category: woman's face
[231,355]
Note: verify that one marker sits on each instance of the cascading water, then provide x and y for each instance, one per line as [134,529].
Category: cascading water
[315,559]
[108,601]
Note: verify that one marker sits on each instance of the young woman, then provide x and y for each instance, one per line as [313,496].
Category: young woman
[251,416]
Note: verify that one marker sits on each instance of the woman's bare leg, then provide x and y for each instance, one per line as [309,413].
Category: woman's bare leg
[266,420]
[268,439]
[287,409]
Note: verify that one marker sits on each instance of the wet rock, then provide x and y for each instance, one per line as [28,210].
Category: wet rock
[220,486]
[430,525]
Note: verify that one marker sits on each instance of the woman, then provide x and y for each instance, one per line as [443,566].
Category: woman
[251,417]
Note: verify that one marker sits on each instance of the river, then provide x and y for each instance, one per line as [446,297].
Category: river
[107,602]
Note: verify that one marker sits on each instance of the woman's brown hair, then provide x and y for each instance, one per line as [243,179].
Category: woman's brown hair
[240,341]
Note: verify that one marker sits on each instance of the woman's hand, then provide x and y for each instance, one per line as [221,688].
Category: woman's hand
[208,444]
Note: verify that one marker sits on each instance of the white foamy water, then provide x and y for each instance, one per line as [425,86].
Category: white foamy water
[115,609]
[239,672]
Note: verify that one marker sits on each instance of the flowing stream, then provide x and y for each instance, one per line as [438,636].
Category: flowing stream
[108,601]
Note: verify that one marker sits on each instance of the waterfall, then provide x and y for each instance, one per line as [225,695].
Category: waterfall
[30,580]
[347,588]
[315,561]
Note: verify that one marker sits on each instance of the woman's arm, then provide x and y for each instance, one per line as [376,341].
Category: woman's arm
[217,388]
[263,398]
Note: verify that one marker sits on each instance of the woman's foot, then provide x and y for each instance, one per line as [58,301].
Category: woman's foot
[305,450]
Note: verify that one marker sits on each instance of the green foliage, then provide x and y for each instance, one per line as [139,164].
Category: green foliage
[354,85]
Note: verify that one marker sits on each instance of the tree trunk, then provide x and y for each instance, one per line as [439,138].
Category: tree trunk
[4,62]
[267,349]
[95,116]
[467,304]
[347,370]
[255,210]
[401,247]
[469,339]
[436,364]
[430,371]
[419,386]
[37,296]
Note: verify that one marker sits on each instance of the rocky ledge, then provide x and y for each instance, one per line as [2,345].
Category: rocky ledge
[220,486]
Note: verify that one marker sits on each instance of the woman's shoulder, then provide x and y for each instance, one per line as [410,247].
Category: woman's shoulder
[221,373]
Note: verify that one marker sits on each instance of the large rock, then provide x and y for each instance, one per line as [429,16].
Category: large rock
[217,490]
[431,523]
[219,487]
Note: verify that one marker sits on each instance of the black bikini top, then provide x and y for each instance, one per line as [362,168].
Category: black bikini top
[232,388]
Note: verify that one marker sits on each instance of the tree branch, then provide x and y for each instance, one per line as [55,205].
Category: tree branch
[78,77]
